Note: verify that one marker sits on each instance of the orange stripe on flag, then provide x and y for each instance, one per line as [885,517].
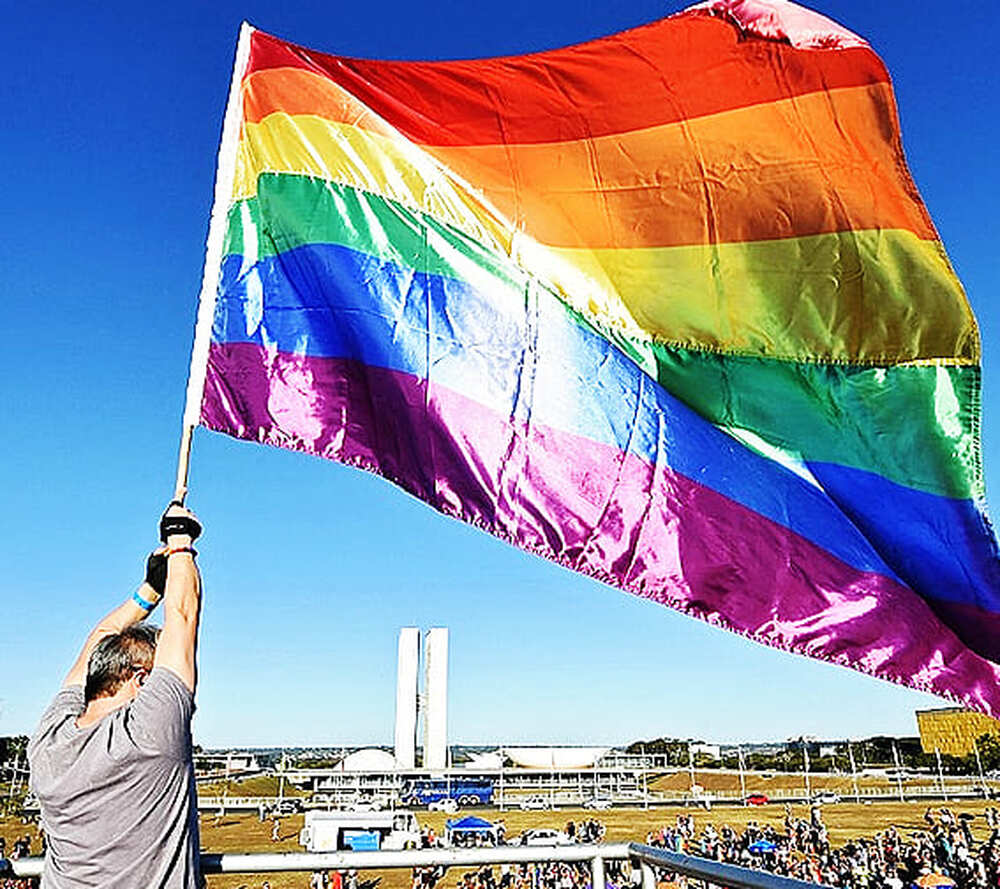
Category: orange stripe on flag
[814,164]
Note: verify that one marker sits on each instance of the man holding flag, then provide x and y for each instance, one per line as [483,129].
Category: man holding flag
[111,759]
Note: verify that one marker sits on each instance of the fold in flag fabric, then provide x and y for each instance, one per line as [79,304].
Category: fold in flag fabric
[665,308]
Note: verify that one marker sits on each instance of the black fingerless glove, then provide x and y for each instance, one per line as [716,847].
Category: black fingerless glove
[156,571]
[178,524]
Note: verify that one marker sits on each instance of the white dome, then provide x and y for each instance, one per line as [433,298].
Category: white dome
[371,759]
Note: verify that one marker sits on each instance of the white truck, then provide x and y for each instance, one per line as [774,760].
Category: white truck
[360,831]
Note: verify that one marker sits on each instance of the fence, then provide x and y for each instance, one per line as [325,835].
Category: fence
[947,791]
[647,859]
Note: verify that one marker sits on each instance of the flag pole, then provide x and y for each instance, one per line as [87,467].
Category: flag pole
[225,174]
[183,463]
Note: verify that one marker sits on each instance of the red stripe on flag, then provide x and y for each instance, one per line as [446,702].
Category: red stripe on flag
[670,70]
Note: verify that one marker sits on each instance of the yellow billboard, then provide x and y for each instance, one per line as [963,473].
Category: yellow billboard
[953,730]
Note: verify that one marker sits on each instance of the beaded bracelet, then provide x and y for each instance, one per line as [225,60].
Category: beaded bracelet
[180,549]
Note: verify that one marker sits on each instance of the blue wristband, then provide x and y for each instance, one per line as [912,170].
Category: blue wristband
[142,603]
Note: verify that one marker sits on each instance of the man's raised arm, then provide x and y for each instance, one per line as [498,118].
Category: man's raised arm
[178,643]
[131,611]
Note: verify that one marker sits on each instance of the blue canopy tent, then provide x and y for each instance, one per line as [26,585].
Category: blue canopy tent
[469,828]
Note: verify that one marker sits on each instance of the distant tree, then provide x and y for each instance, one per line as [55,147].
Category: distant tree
[317,762]
[958,765]
[674,750]
[13,750]
[13,747]
[989,751]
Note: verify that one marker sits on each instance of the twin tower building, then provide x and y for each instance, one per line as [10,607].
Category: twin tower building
[432,705]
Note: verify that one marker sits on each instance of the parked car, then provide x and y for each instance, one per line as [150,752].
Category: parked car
[288,806]
[535,803]
[826,797]
[756,799]
[544,836]
[597,802]
[443,805]
[367,804]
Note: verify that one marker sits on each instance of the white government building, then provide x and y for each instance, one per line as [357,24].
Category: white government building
[564,774]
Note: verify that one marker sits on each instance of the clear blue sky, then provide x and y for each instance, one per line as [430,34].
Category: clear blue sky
[112,114]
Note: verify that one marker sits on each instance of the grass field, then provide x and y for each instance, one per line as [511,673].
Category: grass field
[244,833]
[258,785]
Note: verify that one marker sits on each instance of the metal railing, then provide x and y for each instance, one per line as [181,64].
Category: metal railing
[648,858]
[704,870]
[273,862]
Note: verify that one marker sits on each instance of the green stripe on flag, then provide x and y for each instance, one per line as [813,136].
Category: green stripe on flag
[912,424]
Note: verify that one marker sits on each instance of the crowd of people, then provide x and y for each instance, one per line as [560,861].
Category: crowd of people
[553,875]
[511,876]
[19,848]
[943,853]
[339,879]
[589,831]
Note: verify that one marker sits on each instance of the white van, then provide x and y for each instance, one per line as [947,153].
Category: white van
[360,831]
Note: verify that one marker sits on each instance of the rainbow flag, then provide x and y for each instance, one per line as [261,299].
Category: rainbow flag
[665,308]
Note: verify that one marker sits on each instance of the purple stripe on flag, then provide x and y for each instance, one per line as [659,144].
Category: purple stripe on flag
[980,627]
[636,525]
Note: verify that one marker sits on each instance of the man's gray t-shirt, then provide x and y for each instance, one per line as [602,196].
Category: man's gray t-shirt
[118,797]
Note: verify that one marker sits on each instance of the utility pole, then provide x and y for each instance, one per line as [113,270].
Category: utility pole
[13,782]
[805,768]
[979,765]
[854,771]
[899,771]
[225,784]
[501,778]
[937,754]
[552,778]
[743,778]
[691,766]
[281,777]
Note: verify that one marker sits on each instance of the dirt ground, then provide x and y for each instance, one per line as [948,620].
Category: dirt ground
[717,781]
[244,833]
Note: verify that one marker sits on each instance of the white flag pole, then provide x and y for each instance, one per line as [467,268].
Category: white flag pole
[225,173]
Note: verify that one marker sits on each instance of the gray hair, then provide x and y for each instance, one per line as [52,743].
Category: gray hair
[116,657]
